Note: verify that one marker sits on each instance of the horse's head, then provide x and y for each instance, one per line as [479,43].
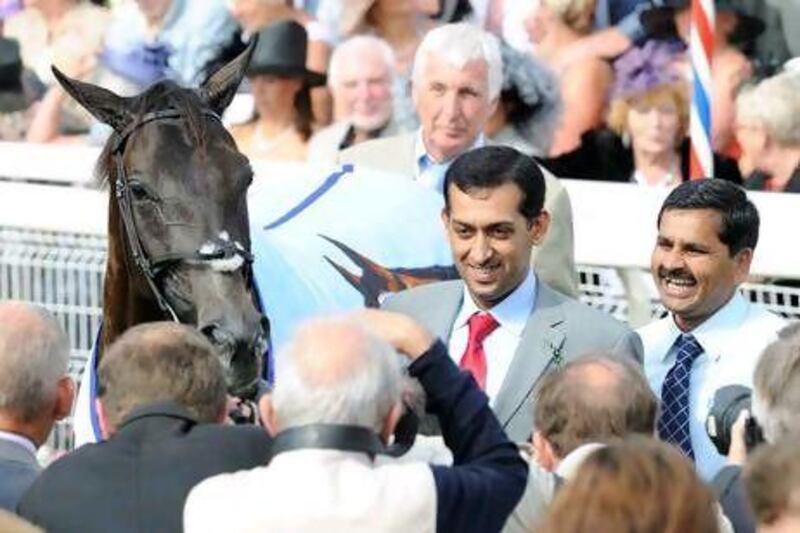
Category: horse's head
[178,211]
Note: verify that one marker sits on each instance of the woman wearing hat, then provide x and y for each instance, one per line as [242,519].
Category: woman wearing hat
[280,83]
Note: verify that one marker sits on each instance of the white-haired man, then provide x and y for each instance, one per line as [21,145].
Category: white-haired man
[360,78]
[336,402]
[768,130]
[456,82]
[35,392]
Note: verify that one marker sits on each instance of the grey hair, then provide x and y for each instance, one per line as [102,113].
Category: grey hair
[774,104]
[355,45]
[776,388]
[333,371]
[34,356]
[458,44]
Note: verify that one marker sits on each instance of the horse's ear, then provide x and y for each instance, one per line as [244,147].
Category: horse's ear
[220,88]
[103,104]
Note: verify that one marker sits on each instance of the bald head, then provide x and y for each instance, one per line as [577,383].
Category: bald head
[34,356]
[335,372]
[593,399]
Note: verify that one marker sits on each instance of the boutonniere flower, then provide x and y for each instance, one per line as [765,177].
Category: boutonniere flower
[556,352]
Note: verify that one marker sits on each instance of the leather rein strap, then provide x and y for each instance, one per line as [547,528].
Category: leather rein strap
[151,267]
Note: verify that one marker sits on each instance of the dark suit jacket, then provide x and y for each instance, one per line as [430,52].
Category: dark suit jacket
[18,469]
[559,329]
[602,156]
[139,479]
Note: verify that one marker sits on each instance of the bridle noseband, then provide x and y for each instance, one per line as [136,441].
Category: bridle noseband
[221,248]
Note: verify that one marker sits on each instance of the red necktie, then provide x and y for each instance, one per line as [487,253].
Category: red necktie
[474,359]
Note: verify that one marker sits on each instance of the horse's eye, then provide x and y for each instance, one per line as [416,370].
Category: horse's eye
[139,191]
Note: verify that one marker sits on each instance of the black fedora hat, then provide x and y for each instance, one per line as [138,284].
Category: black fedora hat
[281,50]
[12,95]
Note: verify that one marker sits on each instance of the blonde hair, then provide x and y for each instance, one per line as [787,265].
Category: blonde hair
[576,14]
[617,118]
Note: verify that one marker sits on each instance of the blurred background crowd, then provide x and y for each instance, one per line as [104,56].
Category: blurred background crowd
[597,89]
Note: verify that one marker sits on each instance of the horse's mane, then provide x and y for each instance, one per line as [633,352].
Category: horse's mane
[162,95]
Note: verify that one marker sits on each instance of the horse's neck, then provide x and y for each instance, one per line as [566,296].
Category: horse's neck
[126,301]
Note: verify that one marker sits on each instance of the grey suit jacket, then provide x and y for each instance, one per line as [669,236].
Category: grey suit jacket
[558,328]
[18,470]
[553,260]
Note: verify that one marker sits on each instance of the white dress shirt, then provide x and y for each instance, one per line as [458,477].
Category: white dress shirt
[732,340]
[312,490]
[512,314]
[430,172]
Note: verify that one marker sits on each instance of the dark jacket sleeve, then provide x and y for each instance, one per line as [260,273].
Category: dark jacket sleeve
[488,475]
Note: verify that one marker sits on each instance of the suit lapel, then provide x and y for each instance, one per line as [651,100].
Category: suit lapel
[539,348]
[443,312]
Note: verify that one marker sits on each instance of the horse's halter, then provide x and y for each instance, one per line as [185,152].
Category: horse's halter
[218,249]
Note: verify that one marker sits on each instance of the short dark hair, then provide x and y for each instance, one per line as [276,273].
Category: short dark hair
[574,408]
[740,221]
[161,361]
[492,166]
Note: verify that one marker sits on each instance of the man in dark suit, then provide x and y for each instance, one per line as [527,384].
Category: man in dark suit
[161,399]
[35,391]
[509,325]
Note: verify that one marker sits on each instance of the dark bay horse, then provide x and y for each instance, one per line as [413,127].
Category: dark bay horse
[178,230]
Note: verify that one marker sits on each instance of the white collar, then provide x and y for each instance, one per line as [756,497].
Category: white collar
[420,151]
[713,334]
[16,438]
[569,465]
[512,313]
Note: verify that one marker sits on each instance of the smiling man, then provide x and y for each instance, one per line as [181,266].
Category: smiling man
[712,337]
[502,323]
[456,83]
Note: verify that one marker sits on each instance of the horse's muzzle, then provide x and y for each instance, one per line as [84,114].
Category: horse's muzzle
[242,359]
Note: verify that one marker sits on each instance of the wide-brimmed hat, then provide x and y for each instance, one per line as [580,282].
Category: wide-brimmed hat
[281,50]
[12,97]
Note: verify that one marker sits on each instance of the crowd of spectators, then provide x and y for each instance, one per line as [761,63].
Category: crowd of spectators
[543,414]
[586,82]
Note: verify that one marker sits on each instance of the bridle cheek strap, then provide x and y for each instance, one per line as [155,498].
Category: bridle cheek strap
[148,267]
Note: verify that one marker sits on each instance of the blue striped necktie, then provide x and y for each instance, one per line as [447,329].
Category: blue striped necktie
[673,424]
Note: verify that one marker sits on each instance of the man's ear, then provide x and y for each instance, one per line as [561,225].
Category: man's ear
[742,260]
[106,428]
[539,226]
[268,415]
[65,395]
[445,218]
[543,452]
[391,422]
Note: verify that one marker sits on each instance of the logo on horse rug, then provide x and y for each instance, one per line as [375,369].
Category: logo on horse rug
[340,241]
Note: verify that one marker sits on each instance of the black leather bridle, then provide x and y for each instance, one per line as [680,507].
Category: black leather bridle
[152,267]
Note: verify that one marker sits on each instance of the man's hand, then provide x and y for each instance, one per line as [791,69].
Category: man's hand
[737,454]
[402,332]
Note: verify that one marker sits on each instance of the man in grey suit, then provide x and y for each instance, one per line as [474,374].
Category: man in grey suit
[35,391]
[510,326]
[456,83]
